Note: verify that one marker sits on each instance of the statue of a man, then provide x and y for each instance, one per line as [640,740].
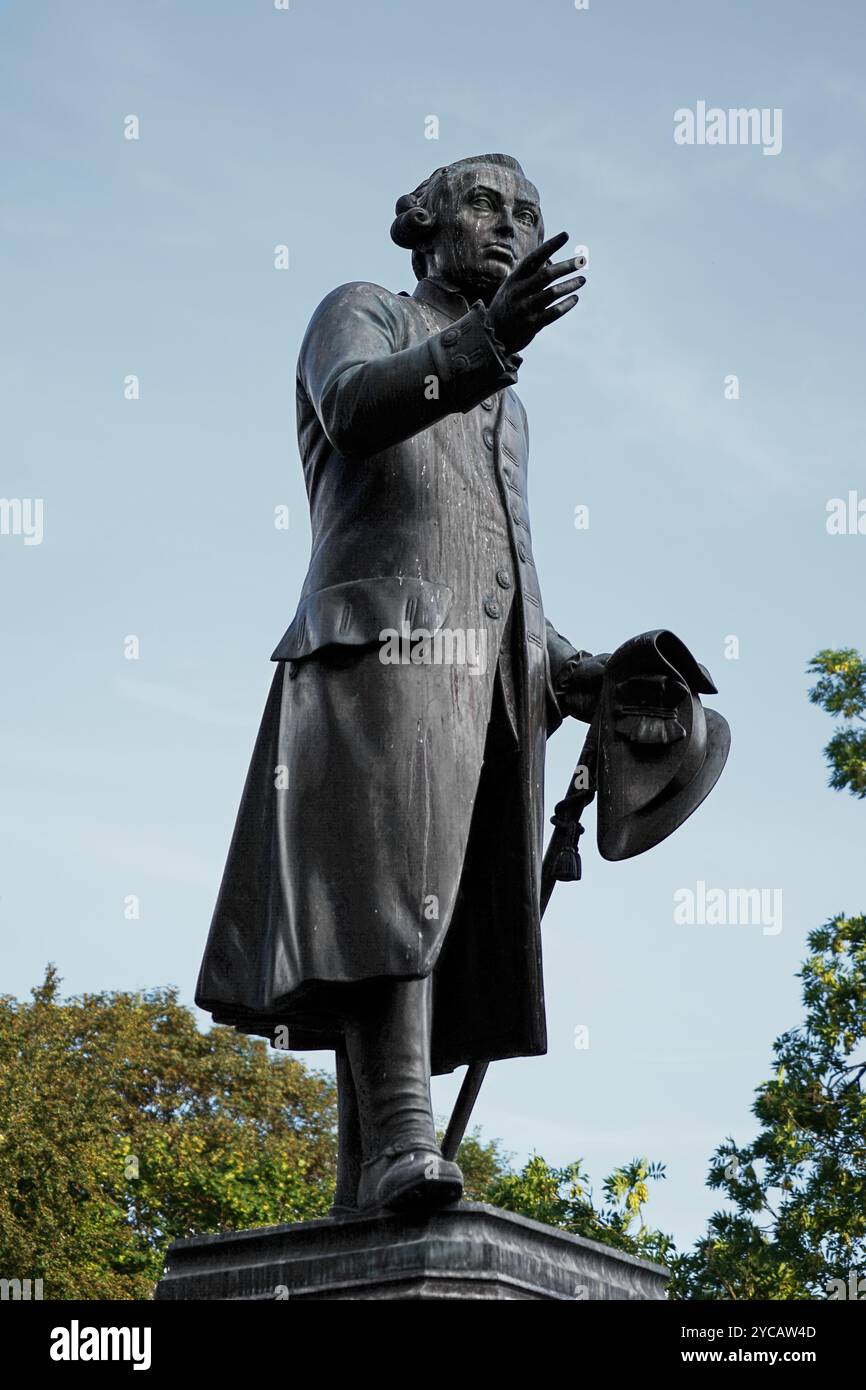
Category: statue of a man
[381,895]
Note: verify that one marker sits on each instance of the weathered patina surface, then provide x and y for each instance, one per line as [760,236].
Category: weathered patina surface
[381,894]
[415,451]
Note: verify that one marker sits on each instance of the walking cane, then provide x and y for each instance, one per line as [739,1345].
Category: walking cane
[561,863]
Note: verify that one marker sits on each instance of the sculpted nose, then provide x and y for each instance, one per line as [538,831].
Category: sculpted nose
[505,223]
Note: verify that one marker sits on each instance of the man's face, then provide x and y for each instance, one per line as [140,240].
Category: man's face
[490,220]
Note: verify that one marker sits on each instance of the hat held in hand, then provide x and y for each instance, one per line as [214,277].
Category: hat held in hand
[660,751]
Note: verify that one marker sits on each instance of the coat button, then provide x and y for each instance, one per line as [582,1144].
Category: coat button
[460,362]
[488,404]
[523,552]
[450,337]
[503,579]
[491,607]
[489,438]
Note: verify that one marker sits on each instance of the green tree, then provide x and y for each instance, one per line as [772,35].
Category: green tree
[563,1197]
[799,1189]
[841,691]
[123,1127]
[797,1227]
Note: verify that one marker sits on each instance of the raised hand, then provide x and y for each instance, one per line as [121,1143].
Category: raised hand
[534,295]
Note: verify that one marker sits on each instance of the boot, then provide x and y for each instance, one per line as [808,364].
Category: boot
[388,1046]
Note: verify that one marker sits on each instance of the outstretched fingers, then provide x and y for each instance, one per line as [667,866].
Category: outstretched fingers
[556,291]
[556,311]
[541,255]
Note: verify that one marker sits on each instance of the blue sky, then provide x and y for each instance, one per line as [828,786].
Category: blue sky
[154,257]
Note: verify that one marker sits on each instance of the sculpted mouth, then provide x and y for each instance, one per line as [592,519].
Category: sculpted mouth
[500,250]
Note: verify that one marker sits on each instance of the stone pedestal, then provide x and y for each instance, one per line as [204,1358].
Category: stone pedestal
[464,1251]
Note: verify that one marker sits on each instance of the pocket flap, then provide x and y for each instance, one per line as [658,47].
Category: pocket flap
[358,611]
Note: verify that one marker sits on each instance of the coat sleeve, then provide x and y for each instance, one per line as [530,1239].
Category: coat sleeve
[371,391]
[562,658]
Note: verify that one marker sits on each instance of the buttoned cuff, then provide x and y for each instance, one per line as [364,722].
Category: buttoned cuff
[469,360]
[512,361]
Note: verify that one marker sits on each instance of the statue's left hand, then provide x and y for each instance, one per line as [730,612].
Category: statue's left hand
[578,685]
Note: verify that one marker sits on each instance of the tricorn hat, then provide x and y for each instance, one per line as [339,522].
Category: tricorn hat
[660,752]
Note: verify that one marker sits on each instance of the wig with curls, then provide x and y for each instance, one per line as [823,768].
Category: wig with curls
[418,212]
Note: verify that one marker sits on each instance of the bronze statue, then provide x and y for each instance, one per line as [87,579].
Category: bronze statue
[382,894]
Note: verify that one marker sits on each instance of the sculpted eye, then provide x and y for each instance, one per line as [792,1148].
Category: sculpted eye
[481,200]
[528,216]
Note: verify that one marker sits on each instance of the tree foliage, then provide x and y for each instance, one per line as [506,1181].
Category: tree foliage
[841,691]
[123,1127]
[563,1197]
[799,1189]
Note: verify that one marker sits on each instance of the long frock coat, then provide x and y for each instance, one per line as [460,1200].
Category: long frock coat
[391,821]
